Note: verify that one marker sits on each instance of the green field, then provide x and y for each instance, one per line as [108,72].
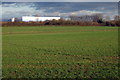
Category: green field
[60,52]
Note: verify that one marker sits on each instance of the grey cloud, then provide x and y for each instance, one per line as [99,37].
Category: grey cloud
[54,9]
[60,0]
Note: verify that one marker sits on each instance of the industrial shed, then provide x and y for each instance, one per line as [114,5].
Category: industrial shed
[33,18]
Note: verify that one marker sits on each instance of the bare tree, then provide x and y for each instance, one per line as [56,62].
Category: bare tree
[107,18]
[98,17]
[117,18]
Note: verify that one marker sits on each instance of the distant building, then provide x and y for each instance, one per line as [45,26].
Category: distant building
[13,20]
[35,18]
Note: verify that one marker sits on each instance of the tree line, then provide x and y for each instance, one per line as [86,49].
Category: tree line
[62,22]
[85,20]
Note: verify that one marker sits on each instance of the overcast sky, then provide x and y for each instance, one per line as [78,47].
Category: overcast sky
[60,0]
[19,9]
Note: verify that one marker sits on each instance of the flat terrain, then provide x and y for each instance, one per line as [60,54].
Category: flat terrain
[60,52]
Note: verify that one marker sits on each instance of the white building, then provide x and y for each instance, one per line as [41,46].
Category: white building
[13,20]
[33,18]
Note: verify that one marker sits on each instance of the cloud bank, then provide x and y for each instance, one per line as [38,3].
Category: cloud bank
[19,9]
[60,0]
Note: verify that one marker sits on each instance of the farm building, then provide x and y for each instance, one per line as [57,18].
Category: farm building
[34,18]
[13,20]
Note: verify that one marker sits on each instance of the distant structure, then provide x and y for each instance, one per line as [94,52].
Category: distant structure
[13,20]
[36,18]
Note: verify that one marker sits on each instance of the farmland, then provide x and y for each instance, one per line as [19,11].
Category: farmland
[60,52]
